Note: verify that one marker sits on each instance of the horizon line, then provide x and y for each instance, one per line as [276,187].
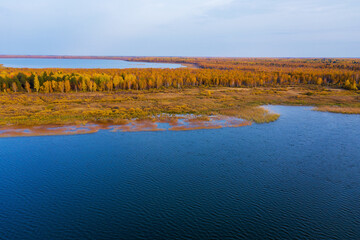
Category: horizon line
[117,57]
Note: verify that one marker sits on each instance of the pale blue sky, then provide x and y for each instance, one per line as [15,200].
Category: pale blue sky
[243,28]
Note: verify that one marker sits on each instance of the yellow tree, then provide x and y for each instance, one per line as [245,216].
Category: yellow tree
[83,84]
[14,86]
[89,83]
[130,80]
[61,86]
[27,87]
[109,85]
[47,87]
[353,86]
[54,85]
[319,81]
[67,85]
[36,83]
[159,81]
[117,80]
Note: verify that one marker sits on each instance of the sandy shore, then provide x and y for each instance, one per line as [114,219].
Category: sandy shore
[171,124]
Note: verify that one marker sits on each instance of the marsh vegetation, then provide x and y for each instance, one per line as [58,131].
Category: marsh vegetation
[115,107]
[218,87]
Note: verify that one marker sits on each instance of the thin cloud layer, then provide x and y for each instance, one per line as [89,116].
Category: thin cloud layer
[184,28]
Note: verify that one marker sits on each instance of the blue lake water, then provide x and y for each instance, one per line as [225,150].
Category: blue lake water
[80,63]
[297,178]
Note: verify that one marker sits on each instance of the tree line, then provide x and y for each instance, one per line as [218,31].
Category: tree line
[252,73]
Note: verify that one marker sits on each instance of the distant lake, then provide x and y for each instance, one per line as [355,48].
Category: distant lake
[296,178]
[80,63]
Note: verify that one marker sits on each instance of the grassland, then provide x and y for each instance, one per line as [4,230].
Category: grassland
[37,109]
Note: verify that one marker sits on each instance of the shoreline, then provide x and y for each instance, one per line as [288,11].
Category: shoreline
[182,65]
[163,123]
[34,109]
[127,59]
[66,57]
[170,124]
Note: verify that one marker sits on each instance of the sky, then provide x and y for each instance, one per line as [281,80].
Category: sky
[221,28]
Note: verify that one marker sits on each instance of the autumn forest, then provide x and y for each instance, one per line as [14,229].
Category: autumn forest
[225,72]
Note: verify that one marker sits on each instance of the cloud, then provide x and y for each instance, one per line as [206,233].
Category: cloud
[172,27]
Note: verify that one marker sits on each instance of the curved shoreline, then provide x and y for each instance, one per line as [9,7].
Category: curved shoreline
[170,124]
[132,59]
[128,64]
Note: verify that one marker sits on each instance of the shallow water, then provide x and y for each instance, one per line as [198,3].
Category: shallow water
[80,63]
[176,123]
[296,178]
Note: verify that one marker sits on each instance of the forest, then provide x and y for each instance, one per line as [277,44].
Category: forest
[208,72]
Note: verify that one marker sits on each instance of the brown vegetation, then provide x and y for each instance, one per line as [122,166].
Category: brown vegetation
[187,122]
[104,107]
[339,109]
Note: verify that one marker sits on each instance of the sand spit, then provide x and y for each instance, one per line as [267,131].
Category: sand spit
[178,123]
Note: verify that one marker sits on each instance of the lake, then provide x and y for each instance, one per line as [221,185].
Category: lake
[296,178]
[80,63]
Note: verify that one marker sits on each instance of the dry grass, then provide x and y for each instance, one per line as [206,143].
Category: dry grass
[337,109]
[255,114]
[118,107]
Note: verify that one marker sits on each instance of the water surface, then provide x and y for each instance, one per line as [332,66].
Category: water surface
[80,63]
[296,178]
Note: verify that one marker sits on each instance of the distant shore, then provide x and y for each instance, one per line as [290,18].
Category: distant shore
[128,59]
[65,57]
